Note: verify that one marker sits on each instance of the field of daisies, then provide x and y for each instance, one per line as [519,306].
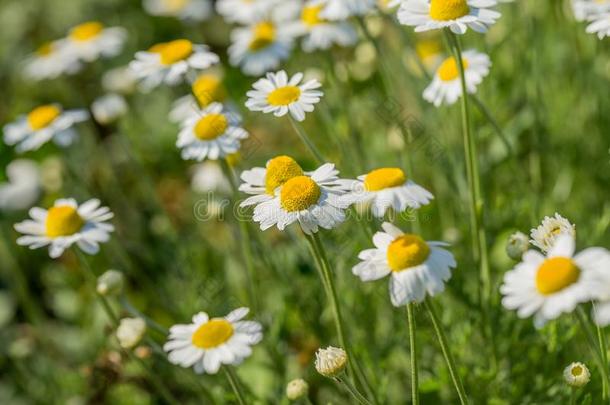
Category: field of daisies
[305,201]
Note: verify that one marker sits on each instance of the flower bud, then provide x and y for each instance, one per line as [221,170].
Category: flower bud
[576,375]
[130,332]
[517,245]
[331,361]
[296,389]
[110,283]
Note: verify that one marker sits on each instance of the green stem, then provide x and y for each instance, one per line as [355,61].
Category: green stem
[584,323]
[573,396]
[353,391]
[233,381]
[413,354]
[442,340]
[298,128]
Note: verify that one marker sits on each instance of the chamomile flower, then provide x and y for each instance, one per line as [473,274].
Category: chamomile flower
[311,200]
[429,49]
[42,124]
[23,186]
[576,375]
[208,343]
[120,80]
[170,62]
[416,267]
[587,10]
[208,177]
[387,188]
[195,10]
[344,9]
[446,86]
[545,235]
[547,286]
[50,61]
[243,11]
[212,134]
[320,33]
[206,89]
[261,46]
[91,40]
[279,95]
[109,108]
[65,224]
[457,15]
[600,25]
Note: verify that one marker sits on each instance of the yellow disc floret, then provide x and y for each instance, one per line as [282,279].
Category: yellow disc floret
[211,127]
[284,96]
[449,71]
[86,31]
[280,169]
[446,10]
[63,220]
[41,117]
[263,36]
[407,251]
[299,193]
[173,51]
[311,15]
[380,179]
[212,334]
[208,89]
[555,274]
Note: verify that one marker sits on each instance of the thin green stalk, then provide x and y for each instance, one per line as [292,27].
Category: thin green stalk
[298,128]
[573,396]
[442,340]
[584,323]
[413,354]
[353,391]
[233,381]
[479,239]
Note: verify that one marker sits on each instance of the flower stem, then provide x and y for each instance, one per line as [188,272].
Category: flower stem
[298,128]
[413,354]
[442,340]
[479,239]
[597,351]
[353,391]
[233,381]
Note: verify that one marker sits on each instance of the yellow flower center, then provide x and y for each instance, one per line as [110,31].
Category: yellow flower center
[86,31]
[555,274]
[211,127]
[45,49]
[576,371]
[407,251]
[445,10]
[173,51]
[311,15]
[279,170]
[426,48]
[208,89]
[212,334]
[449,70]
[284,96]
[299,193]
[41,117]
[384,178]
[175,5]
[63,220]
[264,35]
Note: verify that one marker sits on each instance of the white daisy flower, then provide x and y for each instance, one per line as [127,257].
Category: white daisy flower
[194,10]
[50,61]
[65,224]
[545,235]
[170,62]
[208,177]
[23,186]
[119,80]
[91,40]
[212,134]
[276,94]
[548,286]
[601,286]
[206,344]
[311,200]
[446,86]
[416,267]
[320,33]
[587,10]
[244,11]
[387,188]
[109,108]
[600,25]
[206,89]
[576,375]
[260,47]
[429,49]
[343,9]
[130,332]
[456,15]
[42,124]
